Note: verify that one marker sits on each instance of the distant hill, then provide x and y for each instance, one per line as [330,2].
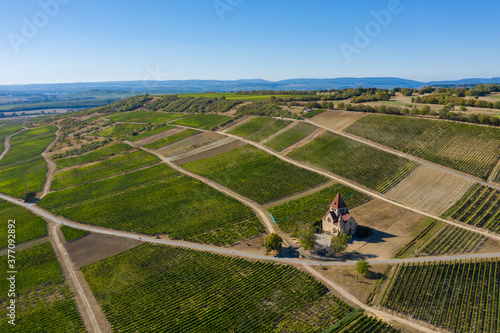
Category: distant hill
[123,88]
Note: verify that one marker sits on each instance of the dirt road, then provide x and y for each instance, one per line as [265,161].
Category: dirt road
[51,165]
[93,317]
[7,144]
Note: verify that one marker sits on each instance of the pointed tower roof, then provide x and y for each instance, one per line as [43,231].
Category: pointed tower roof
[338,202]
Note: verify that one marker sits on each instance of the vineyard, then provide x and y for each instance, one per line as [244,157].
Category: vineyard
[459,296]
[93,156]
[314,206]
[160,288]
[106,168]
[449,240]
[362,324]
[14,177]
[251,126]
[156,200]
[72,233]
[291,136]
[255,174]
[8,129]
[468,148]
[120,131]
[28,147]
[172,138]
[269,130]
[479,207]
[203,121]
[44,302]
[28,225]
[145,117]
[347,158]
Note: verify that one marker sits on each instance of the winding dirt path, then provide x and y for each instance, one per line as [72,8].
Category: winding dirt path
[51,165]
[93,317]
[6,144]
[247,202]
[363,189]
[227,251]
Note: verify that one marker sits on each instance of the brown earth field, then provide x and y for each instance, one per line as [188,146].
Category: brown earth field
[210,150]
[337,120]
[95,247]
[345,276]
[158,136]
[393,228]
[430,189]
[185,144]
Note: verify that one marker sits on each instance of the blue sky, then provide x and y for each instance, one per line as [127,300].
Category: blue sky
[111,40]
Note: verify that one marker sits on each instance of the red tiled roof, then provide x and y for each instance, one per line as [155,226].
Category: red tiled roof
[338,202]
[346,217]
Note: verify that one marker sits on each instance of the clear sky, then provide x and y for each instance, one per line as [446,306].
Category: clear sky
[113,40]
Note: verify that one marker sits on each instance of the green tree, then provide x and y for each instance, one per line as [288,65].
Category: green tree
[340,242]
[273,242]
[28,196]
[362,267]
[306,233]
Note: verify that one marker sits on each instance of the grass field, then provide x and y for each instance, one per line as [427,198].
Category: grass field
[310,208]
[34,132]
[203,121]
[160,129]
[93,156]
[145,117]
[291,136]
[269,130]
[462,296]
[220,294]
[479,207]
[347,158]
[32,173]
[44,302]
[468,148]
[72,233]
[157,200]
[106,168]
[251,126]
[255,174]
[28,226]
[172,138]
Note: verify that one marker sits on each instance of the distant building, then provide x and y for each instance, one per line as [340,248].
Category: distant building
[338,218]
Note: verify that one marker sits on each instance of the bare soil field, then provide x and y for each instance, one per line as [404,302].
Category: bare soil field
[186,144]
[158,136]
[253,245]
[210,150]
[346,278]
[430,189]
[393,228]
[95,247]
[337,120]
